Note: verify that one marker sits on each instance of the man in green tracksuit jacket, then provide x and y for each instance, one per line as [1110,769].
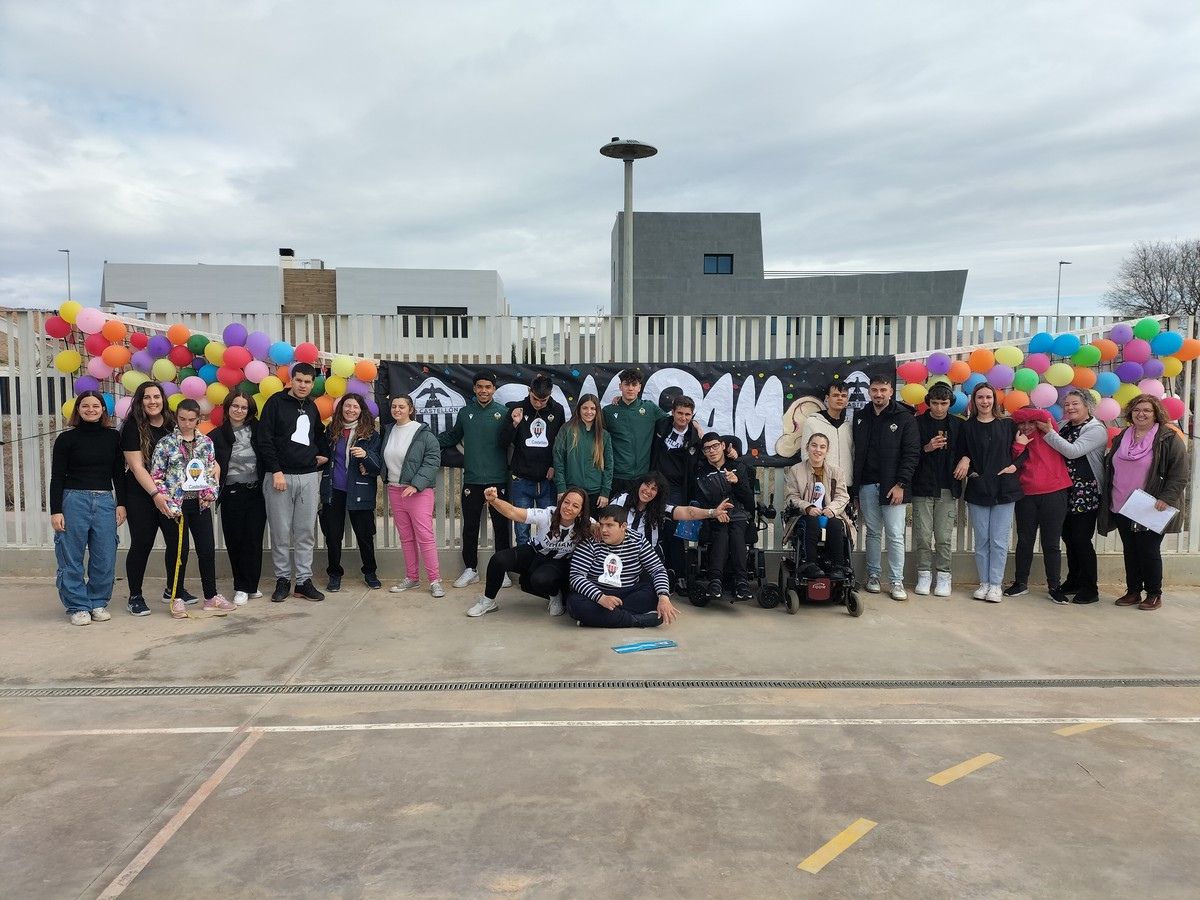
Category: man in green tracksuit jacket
[485,464]
[631,423]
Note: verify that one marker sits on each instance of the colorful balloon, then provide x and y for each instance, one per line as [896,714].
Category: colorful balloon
[178,334]
[981,360]
[174,400]
[256,371]
[115,332]
[1015,400]
[1107,383]
[258,344]
[216,393]
[193,387]
[68,361]
[1059,374]
[1025,380]
[1042,342]
[318,387]
[1108,349]
[159,346]
[281,353]
[1121,333]
[1153,368]
[1065,345]
[1137,350]
[95,343]
[343,367]
[1009,356]
[1151,386]
[912,394]
[270,385]
[214,352]
[1039,362]
[168,388]
[116,356]
[959,371]
[366,371]
[138,340]
[1175,408]
[1043,396]
[325,407]
[1172,367]
[1125,393]
[121,409]
[208,373]
[234,335]
[196,343]
[69,310]
[86,383]
[1189,351]
[959,406]
[163,370]
[181,356]
[1130,372]
[1146,329]
[229,376]
[307,353]
[1084,377]
[335,386]
[237,356]
[1056,413]
[98,368]
[57,327]
[1166,343]
[973,382]
[1087,355]
[1000,376]
[131,379]
[1107,409]
[90,320]
[68,407]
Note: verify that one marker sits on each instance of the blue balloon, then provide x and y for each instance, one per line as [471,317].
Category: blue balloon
[1042,342]
[208,372]
[281,353]
[1056,412]
[973,380]
[1107,384]
[1065,345]
[959,406]
[109,403]
[1166,343]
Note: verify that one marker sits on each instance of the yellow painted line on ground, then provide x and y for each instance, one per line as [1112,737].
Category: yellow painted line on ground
[941,779]
[1080,729]
[836,846]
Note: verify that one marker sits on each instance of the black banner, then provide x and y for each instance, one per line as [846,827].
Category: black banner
[756,401]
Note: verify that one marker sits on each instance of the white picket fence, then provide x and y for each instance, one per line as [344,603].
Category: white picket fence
[31,390]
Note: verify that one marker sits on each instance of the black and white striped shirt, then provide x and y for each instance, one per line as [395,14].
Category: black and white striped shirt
[598,568]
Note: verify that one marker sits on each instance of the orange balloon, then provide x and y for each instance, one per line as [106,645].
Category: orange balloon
[981,360]
[365,370]
[325,407]
[178,334]
[115,356]
[1015,400]
[205,427]
[1107,348]
[960,371]
[1189,351]
[1084,377]
[283,374]
[114,331]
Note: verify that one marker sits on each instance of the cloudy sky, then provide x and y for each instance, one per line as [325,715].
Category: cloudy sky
[999,138]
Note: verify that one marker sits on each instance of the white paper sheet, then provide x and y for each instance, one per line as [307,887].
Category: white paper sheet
[1140,508]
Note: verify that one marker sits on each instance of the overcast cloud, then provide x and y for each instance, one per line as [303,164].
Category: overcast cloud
[999,138]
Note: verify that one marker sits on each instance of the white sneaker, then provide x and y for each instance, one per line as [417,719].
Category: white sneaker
[507,582]
[100,614]
[994,594]
[943,585]
[240,598]
[482,607]
[924,582]
[873,584]
[403,586]
[898,592]
[981,592]
[468,576]
[555,606]
[257,595]
[436,589]
[81,617]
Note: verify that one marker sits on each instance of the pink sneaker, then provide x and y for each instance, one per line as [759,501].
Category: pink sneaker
[218,605]
[178,610]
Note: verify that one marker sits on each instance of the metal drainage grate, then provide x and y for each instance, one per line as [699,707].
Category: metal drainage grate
[408,687]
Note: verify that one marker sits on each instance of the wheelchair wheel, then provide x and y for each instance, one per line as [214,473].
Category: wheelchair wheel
[793,600]
[769,595]
[854,606]
[698,592]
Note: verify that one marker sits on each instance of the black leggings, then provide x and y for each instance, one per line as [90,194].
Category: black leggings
[243,521]
[145,521]
[199,524]
[1078,531]
[472,511]
[1044,513]
[333,525]
[1143,557]
[835,540]
[540,575]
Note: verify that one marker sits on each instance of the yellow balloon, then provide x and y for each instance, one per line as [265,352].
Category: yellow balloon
[260,400]
[69,310]
[216,393]
[68,361]
[68,408]
[1059,374]
[174,400]
[343,367]
[163,370]
[912,394]
[131,379]
[214,352]
[1125,393]
[1009,356]
[335,385]
[936,379]
[1096,398]
[1172,366]
[270,385]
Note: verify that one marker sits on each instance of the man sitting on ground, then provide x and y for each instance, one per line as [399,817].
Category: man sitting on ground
[617,580]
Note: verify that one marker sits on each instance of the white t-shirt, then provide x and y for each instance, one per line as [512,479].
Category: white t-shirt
[556,545]
[400,438]
[637,518]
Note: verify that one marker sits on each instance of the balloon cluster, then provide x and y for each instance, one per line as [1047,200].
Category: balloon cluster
[194,366]
[1131,360]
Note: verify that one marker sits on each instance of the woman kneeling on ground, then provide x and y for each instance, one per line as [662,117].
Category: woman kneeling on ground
[543,564]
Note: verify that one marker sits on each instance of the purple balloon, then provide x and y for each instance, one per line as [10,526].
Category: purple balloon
[86,383]
[1130,372]
[234,335]
[373,408]
[1001,377]
[1152,368]
[168,388]
[355,386]
[159,346]
[199,362]
[1063,391]
[258,344]
[939,364]
[1121,333]
[143,360]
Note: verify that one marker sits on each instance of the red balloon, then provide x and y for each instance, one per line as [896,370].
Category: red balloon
[237,357]
[138,340]
[217,416]
[1174,407]
[229,376]
[57,327]
[306,352]
[181,356]
[95,344]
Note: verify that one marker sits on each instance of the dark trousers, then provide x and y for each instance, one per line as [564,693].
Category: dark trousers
[472,511]
[727,549]
[540,575]
[198,523]
[1143,557]
[636,599]
[333,525]
[1078,531]
[145,521]
[1044,513]
[243,522]
[835,540]
[672,547]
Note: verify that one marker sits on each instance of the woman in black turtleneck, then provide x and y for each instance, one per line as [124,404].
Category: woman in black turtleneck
[86,469]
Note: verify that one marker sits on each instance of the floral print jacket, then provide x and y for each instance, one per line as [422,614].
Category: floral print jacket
[167,469]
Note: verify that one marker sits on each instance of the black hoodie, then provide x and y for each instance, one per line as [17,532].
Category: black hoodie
[286,443]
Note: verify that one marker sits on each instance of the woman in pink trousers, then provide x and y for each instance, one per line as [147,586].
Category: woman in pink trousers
[411,458]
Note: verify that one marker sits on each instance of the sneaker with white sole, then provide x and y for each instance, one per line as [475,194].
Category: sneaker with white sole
[994,594]
[218,605]
[100,614]
[873,584]
[924,583]
[507,582]
[240,598]
[942,588]
[81,617]
[898,591]
[981,592]
[178,610]
[482,607]
[402,586]
[468,576]
[436,590]
[555,606]
[256,595]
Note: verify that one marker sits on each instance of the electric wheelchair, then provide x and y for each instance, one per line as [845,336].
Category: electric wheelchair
[814,581]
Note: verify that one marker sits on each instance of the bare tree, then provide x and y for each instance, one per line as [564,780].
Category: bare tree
[1158,278]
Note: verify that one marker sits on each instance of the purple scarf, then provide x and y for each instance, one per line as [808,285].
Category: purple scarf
[1132,450]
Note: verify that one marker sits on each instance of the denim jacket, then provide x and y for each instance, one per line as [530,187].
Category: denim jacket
[167,465]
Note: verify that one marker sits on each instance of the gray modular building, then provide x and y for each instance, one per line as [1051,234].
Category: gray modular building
[712,264]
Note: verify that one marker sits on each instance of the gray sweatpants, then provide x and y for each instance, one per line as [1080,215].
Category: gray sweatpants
[292,515]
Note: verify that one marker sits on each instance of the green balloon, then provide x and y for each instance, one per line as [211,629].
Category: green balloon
[185,372]
[1146,329]
[1087,355]
[196,343]
[318,387]
[1026,380]
[247,387]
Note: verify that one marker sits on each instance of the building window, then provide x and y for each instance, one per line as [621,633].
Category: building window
[451,318]
[718,263]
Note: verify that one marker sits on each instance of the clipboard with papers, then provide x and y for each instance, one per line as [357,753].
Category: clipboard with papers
[1139,508]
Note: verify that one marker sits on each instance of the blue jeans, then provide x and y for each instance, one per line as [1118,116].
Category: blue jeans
[878,519]
[992,525]
[525,493]
[91,521]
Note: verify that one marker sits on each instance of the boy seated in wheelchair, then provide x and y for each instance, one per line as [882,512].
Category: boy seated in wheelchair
[816,487]
[719,479]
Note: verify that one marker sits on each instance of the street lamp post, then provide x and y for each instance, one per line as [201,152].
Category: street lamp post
[627,151]
[1058,295]
[68,252]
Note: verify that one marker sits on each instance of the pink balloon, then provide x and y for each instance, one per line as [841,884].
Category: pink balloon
[1044,396]
[1039,362]
[122,407]
[1137,351]
[193,387]
[89,320]
[1107,409]
[97,368]
[1152,387]
[256,371]
[1174,407]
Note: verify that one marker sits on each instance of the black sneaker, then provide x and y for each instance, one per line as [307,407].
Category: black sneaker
[742,591]
[1069,587]
[1016,589]
[714,589]
[373,581]
[283,587]
[184,594]
[1058,595]
[1086,598]
[308,591]
[646,620]
[137,606]
[335,585]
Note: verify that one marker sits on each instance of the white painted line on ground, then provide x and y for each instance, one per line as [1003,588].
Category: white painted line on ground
[131,871]
[595,723]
